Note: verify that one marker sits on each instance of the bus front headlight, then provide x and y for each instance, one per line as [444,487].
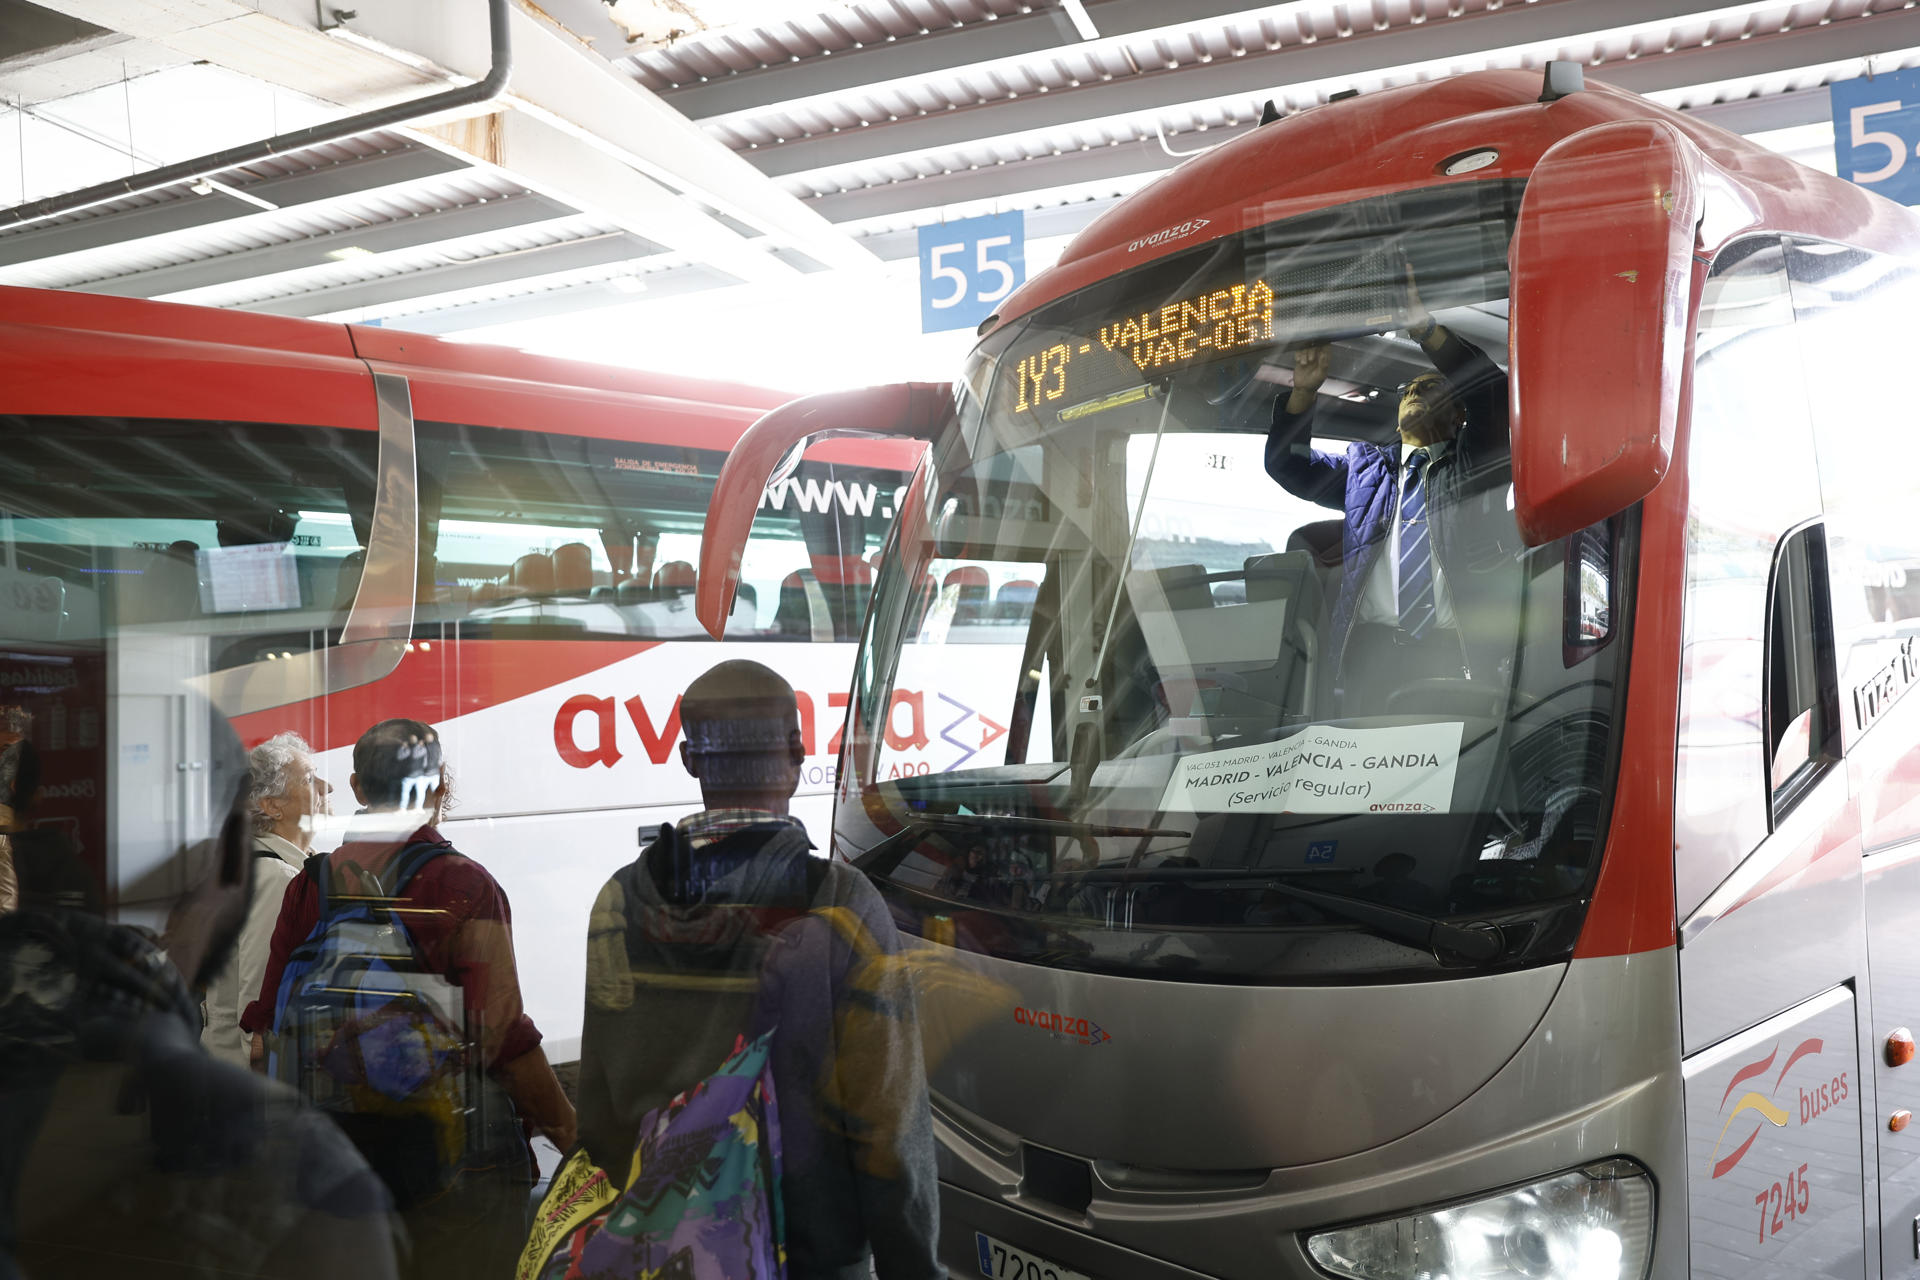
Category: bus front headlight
[1592,1223]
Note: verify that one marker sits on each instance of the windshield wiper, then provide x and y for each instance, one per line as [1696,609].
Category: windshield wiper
[1033,822]
[1477,942]
[919,824]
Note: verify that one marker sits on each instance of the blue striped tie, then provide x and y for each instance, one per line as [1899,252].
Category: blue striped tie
[1416,552]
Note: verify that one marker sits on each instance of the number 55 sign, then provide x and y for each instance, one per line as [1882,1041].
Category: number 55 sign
[968,268]
[1876,127]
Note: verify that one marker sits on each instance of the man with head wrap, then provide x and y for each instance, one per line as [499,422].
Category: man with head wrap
[727,925]
[125,1150]
[466,1214]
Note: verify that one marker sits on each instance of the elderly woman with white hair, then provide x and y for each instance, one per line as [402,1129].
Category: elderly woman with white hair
[286,796]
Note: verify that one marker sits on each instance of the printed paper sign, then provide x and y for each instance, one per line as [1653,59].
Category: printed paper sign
[1403,769]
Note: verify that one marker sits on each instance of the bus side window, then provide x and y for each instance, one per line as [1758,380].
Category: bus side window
[251,535]
[1854,311]
[1753,481]
[1802,698]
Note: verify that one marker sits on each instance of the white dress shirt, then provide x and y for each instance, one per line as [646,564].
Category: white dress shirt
[1380,598]
[238,982]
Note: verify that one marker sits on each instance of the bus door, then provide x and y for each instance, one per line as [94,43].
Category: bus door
[1766,863]
[179,514]
[1852,308]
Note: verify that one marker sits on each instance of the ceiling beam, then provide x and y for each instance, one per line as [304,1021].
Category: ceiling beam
[126,227]
[574,90]
[419,231]
[498,269]
[565,167]
[275,41]
[1475,37]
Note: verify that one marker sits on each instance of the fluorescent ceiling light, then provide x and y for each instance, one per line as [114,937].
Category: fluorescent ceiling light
[349,253]
[1077,11]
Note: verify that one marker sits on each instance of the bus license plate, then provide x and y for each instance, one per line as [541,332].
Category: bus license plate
[1001,1261]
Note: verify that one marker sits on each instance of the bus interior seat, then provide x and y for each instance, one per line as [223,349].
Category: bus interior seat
[675,578]
[532,574]
[802,612]
[1321,540]
[573,569]
[970,583]
[1289,576]
[1013,602]
[1248,660]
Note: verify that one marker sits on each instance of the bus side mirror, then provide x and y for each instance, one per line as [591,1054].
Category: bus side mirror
[771,448]
[1602,281]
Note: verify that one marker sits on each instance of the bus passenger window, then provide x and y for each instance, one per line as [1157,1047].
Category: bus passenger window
[535,535]
[249,534]
[1803,703]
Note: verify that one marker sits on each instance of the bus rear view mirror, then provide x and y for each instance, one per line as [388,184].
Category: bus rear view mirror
[772,446]
[1602,267]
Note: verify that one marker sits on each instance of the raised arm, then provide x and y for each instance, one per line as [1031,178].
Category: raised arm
[1293,462]
[1475,379]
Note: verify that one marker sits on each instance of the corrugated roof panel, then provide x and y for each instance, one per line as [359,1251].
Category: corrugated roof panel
[977,89]
[267,227]
[394,265]
[719,53]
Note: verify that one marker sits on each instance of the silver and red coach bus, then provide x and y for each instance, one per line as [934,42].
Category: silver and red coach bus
[323,525]
[1250,957]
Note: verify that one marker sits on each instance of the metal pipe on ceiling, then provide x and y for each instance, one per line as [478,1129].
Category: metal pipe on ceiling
[482,90]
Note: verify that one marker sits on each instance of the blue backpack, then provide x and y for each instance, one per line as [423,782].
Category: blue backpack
[368,1033]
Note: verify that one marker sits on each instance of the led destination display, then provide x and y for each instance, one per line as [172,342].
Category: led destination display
[1146,343]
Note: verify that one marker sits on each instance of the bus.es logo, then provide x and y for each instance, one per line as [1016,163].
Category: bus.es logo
[1813,1102]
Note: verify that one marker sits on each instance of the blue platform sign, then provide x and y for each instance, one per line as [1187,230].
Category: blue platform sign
[1876,133]
[969,267]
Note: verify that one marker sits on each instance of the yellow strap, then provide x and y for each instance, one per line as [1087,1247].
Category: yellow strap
[579,1190]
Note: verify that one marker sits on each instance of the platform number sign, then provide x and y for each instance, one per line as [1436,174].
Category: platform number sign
[1876,131]
[968,268]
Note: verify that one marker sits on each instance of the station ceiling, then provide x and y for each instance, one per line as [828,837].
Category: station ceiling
[745,141]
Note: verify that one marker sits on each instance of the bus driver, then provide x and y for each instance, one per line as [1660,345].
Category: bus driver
[1397,614]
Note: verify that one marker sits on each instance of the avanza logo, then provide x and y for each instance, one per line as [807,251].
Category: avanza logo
[1062,1025]
[1813,1102]
[1177,232]
[909,720]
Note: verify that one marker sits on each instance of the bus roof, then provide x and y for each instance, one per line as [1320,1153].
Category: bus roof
[180,322]
[1401,138]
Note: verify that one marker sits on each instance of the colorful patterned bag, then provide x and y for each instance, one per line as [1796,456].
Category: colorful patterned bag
[702,1199]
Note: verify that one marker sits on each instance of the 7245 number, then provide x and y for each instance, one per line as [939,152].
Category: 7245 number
[1780,1205]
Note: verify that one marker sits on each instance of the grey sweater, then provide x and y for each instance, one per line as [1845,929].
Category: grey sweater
[688,950]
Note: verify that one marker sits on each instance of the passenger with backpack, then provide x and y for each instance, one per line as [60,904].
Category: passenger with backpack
[126,1149]
[752,1097]
[391,1000]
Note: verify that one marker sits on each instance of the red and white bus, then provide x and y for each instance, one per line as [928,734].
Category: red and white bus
[1585,948]
[322,526]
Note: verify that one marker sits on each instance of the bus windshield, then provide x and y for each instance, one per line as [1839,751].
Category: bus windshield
[1261,681]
